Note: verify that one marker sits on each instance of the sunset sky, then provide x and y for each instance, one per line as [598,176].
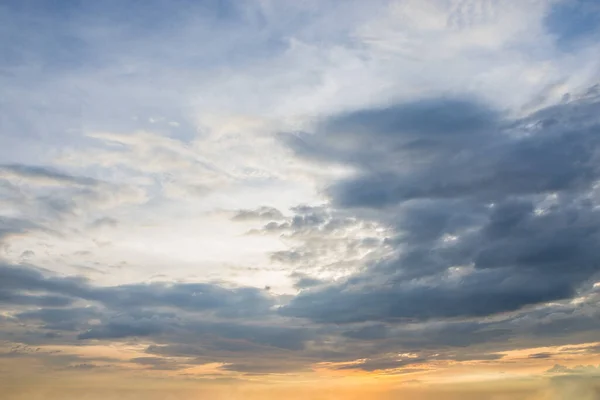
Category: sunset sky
[299,199]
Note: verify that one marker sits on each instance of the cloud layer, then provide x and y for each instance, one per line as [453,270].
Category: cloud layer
[271,191]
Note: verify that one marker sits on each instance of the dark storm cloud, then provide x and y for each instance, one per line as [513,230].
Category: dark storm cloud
[511,203]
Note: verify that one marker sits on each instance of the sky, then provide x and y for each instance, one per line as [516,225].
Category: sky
[300,199]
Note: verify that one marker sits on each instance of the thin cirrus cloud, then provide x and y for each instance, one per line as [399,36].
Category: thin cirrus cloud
[305,195]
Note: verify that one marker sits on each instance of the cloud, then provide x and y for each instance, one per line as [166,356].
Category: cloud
[16,226]
[15,298]
[220,319]
[260,368]
[304,281]
[83,367]
[438,195]
[155,363]
[323,243]
[42,175]
[541,355]
[490,214]
[579,369]
[262,213]
[445,149]
[195,297]
[383,364]
[60,319]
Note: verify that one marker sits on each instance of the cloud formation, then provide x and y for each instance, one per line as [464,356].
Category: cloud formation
[488,220]
[271,191]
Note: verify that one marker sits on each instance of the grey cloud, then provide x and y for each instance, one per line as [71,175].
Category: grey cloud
[105,221]
[282,337]
[47,198]
[456,340]
[23,278]
[61,319]
[183,341]
[175,350]
[8,297]
[85,367]
[478,294]
[44,174]
[384,364]
[322,240]
[27,253]
[450,149]
[156,363]
[304,282]
[490,215]
[367,137]
[476,357]
[368,332]
[289,256]
[579,369]
[540,355]
[195,330]
[216,335]
[593,349]
[17,226]
[223,321]
[307,220]
[120,331]
[193,297]
[270,342]
[262,213]
[499,167]
[260,368]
